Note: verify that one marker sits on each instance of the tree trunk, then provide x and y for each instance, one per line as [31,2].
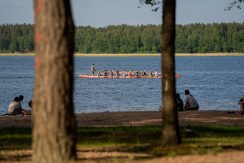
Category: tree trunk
[170,133]
[53,115]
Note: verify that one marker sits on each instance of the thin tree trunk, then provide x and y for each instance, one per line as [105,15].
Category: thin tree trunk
[170,133]
[53,115]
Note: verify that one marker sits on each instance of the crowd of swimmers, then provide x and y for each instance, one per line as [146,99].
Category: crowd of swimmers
[15,107]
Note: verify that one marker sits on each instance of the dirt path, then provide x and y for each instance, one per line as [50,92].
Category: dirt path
[138,118]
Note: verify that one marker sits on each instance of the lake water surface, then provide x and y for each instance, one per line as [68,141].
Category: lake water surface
[216,82]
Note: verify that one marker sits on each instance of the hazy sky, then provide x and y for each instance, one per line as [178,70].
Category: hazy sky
[113,12]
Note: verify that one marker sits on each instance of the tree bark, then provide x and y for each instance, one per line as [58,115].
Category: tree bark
[53,115]
[170,132]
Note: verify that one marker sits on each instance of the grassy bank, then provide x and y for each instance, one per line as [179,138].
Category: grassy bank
[132,55]
[138,139]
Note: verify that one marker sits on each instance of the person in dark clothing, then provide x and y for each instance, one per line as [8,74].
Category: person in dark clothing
[241,103]
[179,102]
[190,102]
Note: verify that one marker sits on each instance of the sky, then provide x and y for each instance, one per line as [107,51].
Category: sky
[100,13]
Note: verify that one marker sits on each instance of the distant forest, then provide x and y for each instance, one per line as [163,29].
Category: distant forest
[191,38]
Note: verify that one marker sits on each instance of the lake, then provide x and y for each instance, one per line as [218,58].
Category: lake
[216,82]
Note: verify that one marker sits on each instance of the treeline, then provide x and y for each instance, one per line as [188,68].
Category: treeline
[191,38]
[16,38]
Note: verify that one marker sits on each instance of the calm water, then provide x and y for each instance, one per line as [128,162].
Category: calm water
[216,82]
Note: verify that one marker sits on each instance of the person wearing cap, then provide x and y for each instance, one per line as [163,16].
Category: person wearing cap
[190,102]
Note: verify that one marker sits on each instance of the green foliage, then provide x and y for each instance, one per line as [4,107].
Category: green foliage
[191,38]
[16,38]
[236,3]
[15,138]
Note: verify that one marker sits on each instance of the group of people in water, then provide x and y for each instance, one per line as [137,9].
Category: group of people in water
[124,73]
[15,107]
[190,102]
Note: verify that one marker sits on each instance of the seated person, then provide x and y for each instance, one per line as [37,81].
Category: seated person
[30,106]
[130,73]
[190,102]
[241,103]
[144,73]
[14,107]
[23,111]
[179,102]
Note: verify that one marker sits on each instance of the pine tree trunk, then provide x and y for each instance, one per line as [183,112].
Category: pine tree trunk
[170,133]
[53,115]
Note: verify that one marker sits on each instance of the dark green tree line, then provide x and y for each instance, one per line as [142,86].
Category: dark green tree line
[191,38]
[16,38]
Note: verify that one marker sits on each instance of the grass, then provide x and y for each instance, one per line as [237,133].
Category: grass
[139,139]
[15,138]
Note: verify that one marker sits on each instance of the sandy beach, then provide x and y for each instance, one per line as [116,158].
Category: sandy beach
[211,117]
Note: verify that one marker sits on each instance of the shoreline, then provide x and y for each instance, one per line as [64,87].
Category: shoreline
[139,118]
[134,54]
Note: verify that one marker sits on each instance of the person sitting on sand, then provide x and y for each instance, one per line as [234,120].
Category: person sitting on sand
[179,102]
[241,103]
[21,97]
[23,111]
[30,106]
[190,102]
[14,107]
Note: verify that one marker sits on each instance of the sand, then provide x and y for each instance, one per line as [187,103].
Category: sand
[135,118]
